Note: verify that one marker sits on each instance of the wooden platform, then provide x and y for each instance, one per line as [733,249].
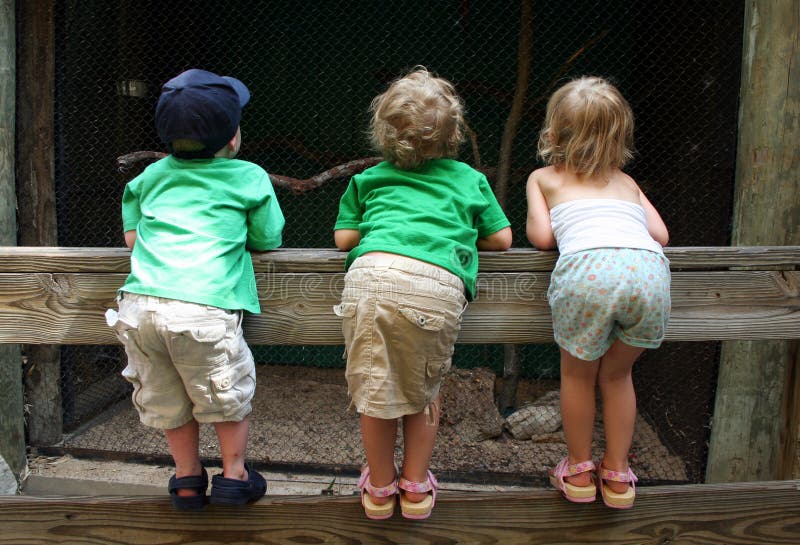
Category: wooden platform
[764,513]
[59,296]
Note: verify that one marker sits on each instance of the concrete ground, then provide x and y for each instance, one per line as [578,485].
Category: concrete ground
[69,476]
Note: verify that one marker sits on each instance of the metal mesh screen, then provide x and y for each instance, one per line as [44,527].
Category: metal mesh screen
[312,73]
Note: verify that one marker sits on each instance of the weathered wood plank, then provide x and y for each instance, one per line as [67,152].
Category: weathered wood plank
[12,433]
[36,196]
[750,444]
[509,308]
[739,514]
[73,259]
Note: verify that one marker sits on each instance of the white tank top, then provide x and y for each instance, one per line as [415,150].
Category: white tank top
[585,224]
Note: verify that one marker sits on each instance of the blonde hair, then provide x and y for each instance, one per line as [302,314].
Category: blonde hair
[588,127]
[419,117]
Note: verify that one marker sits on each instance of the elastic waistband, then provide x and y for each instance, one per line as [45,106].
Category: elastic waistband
[409,265]
[155,300]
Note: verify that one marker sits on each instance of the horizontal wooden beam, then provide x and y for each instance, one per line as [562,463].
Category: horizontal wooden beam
[72,259]
[68,308]
[766,513]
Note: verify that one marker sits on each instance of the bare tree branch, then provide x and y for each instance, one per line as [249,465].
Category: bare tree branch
[295,185]
[299,187]
[124,162]
[517,105]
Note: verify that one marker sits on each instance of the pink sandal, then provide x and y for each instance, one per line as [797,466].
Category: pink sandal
[376,511]
[617,500]
[573,493]
[418,509]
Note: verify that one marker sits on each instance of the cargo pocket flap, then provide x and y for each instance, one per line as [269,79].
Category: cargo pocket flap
[424,319]
[204,333]
[222,382]
[345,310]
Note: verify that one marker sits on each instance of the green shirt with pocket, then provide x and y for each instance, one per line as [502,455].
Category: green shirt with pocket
[434,213]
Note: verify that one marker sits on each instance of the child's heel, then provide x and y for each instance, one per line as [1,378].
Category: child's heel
[374,510]
[418,509]
[617,500]
[573,493]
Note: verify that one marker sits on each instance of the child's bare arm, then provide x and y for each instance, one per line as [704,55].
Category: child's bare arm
[346,239]
[538,228]
[655,225]
[498,241]
[130,238]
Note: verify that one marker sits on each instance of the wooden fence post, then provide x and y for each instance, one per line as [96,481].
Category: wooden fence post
[755,422]
[36,197]
[12,434]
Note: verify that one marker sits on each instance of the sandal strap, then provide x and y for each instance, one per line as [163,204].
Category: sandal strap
[430,484]
[618,476]
[376,491]
[565,469]
[190,482]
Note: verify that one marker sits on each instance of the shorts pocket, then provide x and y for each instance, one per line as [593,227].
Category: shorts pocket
[232,387]
[347,312]
[429,320]
[132,375]
[422,333]
[199,344]
[436,368]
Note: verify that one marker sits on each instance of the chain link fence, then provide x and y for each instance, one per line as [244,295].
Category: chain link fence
[312,69]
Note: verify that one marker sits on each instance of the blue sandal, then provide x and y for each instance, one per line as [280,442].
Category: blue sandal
[226,491]
[192,482]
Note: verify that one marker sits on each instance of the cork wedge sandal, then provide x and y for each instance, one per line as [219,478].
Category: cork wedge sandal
[374,510]
[617,500]
[573,493]
[418,509]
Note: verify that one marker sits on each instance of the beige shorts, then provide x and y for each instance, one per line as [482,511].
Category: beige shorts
[185,360]
[400,320]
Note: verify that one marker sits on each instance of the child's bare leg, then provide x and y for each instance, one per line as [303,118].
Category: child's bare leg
[232,438]
[379,436]
[184,445]
[578,379]
[619,406]
[419,436]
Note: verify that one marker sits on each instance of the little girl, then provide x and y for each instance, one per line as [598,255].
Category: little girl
[609,291]
[413,225]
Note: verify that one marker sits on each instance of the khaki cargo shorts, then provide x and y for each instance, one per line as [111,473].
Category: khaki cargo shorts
[185,360]
[400,320]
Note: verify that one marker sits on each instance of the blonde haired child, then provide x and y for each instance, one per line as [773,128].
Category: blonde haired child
[413,225]
[609,291]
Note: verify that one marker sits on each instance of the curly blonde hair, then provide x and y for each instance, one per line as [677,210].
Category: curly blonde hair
[419,117]
[588,127]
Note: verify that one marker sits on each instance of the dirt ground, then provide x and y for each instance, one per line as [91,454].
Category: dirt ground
[300,418]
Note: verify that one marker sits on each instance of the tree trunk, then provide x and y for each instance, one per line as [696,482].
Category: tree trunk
[12,431]
[754,433]
[36,196]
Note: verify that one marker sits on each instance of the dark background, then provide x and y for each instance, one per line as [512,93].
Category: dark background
[312,69]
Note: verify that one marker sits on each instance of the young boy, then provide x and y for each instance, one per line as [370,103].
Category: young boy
[190,220]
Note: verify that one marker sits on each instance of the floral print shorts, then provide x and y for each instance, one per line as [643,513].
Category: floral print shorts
[603,294]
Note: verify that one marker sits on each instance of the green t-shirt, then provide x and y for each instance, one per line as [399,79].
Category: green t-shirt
[194,221]
[434,213]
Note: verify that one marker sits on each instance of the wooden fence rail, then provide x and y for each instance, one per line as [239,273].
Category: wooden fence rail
[59,295]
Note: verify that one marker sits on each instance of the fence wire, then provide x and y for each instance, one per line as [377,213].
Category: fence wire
[312,70]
